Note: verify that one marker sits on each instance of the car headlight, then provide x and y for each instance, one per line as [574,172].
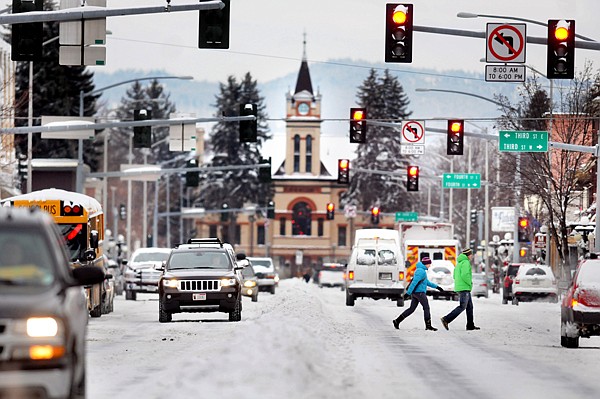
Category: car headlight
[42,327]
[227,282]
[170,283]
[249,283]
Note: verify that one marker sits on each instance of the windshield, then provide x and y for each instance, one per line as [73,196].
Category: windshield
[198,260]
[383,256]
[19,265]
[263,263]
[150,257]
[76,239]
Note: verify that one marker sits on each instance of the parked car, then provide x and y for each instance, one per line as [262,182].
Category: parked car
[265,272]
[43,309]
[441,272]
[509,274]
[141,274]
[480,285]
[332,275]
[534,282]
[580,309]
[202,278]
[249,280]
[108,288]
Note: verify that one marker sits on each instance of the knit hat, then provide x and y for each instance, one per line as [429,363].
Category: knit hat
[426,260]
[467,252]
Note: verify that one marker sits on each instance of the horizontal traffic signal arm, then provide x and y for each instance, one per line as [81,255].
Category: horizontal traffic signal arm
[160,171]
[109,125]
[79,13]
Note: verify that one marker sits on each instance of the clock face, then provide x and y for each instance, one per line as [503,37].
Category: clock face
[303,109]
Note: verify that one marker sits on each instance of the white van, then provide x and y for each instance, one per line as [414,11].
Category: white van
[376,268]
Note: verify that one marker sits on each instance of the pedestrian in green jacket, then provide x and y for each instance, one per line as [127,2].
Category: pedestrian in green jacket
[463,283]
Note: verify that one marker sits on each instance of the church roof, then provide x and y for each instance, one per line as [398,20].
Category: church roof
[304,82]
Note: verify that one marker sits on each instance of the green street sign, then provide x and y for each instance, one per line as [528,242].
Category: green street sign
[461,180]
[406,216]
[523,141]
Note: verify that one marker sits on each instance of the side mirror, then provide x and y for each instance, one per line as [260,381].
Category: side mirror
[124,262]
[240,256]
[108,276]
[89,255]
[94,239]
[88,275]
[161,269]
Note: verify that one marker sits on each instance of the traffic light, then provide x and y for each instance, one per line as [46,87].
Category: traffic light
[271,210]
[192,179]
[412,182]
[264,174]
[456,137]
[561,49]
[523,229]
[473,216]
[248,129]
[375,215]
[213,29]
[330,211]
[358,125]
[523,252]
[26,41]
[343,171]
[398,32]
[224,213]
[142,135]
[122,212]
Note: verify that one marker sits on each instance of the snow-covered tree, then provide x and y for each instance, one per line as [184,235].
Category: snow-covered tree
[385,99]
[235,187]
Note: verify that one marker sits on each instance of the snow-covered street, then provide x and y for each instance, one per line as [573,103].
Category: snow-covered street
[304,342]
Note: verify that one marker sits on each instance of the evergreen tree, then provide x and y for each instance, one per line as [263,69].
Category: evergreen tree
[56,92]
[385,99]
[154,99]
[235,187]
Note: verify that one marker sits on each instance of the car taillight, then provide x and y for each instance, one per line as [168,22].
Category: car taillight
[516,281]
[574,302]
[400,276]
[351,275]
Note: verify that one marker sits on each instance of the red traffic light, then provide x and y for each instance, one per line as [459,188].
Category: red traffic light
[375,211]
[344,163]
[330,207]
[523,222]
[413,170]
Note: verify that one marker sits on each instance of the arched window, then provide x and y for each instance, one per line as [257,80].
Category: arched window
[296,153]
[301,219]
[309,154]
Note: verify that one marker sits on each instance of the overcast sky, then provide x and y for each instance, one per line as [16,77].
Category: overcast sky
[266,35]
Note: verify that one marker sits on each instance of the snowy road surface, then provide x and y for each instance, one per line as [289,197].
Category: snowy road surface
[304,342]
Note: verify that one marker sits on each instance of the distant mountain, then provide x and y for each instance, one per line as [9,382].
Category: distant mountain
[337,81]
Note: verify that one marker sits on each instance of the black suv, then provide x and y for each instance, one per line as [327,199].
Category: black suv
[509,276]
[43,311]
[200,276]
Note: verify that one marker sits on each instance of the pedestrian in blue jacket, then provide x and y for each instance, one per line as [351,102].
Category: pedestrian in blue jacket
[418,290]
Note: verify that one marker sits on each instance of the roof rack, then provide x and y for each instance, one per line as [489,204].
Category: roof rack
[211,240]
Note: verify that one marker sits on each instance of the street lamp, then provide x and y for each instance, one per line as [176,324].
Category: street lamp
[472,15]
[79,175]
[82,95]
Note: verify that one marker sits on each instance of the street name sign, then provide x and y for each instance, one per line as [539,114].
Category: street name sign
[406,216]
[523,141]
[505,73]
[461,180]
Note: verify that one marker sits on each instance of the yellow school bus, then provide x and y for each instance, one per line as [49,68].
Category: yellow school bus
[81,221]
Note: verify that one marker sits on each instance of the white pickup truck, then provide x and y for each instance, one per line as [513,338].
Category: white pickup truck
[332,275]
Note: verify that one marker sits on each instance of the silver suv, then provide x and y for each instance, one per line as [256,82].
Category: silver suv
[43,311]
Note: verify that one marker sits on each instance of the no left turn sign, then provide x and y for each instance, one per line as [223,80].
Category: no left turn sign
[413,132]
[505,43]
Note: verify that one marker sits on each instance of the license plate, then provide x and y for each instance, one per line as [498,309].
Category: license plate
[199,297]
[385,276]
[535,282]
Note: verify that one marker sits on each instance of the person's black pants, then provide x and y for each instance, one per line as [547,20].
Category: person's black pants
[418,298]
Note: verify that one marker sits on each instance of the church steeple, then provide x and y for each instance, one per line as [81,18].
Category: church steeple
[304,82]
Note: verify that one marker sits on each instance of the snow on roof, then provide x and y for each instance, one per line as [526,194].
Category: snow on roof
[91,204]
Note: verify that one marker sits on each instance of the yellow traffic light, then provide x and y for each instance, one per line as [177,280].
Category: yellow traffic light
[561,33]
[358,115]
[456,127]
[399,15]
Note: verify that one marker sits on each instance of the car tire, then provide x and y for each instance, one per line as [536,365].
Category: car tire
[515,301]
[400,302]
[554,299]
[349,299]
[236,314]
[255,297]
[163,315]
[272,290]
[130,295]
[569,342]
[79,387]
